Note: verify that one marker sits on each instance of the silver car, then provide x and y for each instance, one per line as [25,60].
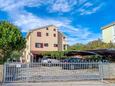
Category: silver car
[48,60]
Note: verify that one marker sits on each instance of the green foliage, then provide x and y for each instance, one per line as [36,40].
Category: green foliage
[77,46]
[93,57]
[55,54]
[15,54]
[96,44]
[10,39]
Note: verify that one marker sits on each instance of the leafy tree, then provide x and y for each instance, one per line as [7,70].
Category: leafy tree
[55,54]
[10,39]
[96,44]
[77,46]
[15,55]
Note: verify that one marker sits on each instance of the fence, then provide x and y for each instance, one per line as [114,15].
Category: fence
[35,72]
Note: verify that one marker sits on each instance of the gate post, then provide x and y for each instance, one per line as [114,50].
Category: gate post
[101,70]
[27,71]
[4,73]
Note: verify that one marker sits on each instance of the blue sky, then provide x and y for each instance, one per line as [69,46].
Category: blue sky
[79,20]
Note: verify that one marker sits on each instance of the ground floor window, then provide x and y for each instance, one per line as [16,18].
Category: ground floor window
[39,45]
[46,44]
[55,45]
[64,46]
[36,58]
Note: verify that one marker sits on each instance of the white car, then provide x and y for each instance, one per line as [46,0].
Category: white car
[47,60]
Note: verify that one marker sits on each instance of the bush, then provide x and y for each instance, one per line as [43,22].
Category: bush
[55,54]
[15,55]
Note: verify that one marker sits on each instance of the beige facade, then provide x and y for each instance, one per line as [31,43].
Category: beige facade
[44,39]
[108,33]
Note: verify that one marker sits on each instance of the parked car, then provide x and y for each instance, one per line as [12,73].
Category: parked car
[45,60]
[76,63]
[71,60]
[48,60]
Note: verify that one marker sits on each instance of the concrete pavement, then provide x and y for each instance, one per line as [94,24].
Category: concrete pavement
[69,83]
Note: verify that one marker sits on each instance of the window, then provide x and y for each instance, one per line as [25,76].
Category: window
[39,45]
[54,29]
[114,30]
[38,34]
[55,45]
[54,35]
[46,44]
[47,34]
[47,28]
[63,37]
[64,47]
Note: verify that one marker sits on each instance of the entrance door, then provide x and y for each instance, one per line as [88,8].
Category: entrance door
[37,58]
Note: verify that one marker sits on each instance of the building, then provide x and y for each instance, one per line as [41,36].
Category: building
[108,33]
[43,39]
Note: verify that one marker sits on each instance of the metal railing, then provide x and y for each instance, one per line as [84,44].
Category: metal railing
[35,72]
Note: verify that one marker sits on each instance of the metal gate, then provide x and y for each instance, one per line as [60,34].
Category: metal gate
[35,72]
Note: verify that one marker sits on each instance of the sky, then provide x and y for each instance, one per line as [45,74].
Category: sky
[79,20]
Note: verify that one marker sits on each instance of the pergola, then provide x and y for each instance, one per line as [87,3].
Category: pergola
[105,53]
[82,53]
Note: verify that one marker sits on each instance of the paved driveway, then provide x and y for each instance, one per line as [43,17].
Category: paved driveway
[70,83]
[46,73]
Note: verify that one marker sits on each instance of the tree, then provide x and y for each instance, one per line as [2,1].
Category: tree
[55,54]
[10,39]
[96,44]
[77,46]
[15,55]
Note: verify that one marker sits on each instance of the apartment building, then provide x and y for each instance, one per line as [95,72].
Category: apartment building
[43,39]
[108,33]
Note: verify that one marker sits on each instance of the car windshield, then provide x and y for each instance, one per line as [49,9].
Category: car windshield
[74,59]
[45,58]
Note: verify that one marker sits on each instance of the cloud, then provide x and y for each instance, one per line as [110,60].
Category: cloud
[79,34]
[27,20]
[88,4]
[74,34]
[62,5]
[83,7]
[88,11]
[9,5]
